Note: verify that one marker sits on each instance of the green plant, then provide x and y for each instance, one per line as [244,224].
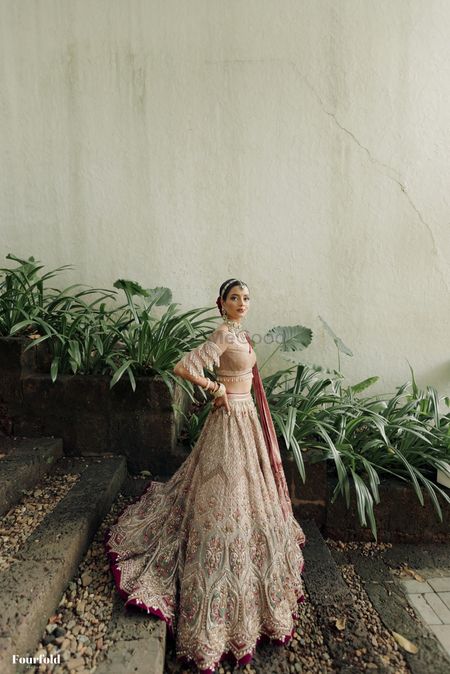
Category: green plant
[86,336]
[365,438]
[22,293]
[403,435]
[340,346]
[152,345]
[194,421]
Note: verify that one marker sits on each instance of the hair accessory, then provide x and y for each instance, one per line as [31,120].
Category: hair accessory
[234,281]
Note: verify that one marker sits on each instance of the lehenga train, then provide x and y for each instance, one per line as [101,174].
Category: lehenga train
[209,551]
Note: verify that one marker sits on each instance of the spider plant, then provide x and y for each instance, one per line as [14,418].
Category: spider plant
[152,344]
[194,421]
[77,333]
[86,337]
[22,293]
[366,438]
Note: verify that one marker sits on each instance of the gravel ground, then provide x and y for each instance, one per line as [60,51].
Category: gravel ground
[19,522]
[383,650]
[365,549]
[374,550]
[78,629]
[307,650]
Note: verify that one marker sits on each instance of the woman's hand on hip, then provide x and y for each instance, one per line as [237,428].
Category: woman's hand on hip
[222,401]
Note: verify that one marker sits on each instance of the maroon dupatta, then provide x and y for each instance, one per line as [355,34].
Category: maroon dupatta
[270,437]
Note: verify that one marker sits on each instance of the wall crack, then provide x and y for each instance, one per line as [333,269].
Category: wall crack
[391,173]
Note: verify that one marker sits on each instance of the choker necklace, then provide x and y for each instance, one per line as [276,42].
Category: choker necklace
[233,326]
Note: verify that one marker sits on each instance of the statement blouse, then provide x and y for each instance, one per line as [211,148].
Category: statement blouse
[229,356]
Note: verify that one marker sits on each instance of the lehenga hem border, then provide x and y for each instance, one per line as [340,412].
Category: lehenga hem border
[247,657]
[114,566]
[244,660]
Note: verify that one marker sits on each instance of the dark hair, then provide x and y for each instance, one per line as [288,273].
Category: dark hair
[228,285]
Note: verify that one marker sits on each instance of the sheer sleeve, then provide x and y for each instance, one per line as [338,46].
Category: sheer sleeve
[206,355]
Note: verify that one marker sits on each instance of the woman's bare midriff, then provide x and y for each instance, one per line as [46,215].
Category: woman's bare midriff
[238,386]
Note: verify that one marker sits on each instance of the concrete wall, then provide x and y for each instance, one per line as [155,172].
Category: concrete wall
[299,144]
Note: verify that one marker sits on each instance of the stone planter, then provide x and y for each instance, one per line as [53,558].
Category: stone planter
[309,499]
[399,516]
[90,417]
[15,362]
[14,358]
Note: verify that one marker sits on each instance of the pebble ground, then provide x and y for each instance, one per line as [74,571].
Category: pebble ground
[78,629]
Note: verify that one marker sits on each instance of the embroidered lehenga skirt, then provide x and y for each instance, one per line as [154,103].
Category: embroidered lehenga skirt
[209,551]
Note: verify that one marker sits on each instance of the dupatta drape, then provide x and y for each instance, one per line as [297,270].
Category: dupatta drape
[271,439]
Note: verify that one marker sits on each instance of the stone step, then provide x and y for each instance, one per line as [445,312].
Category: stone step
[139,642]
[32,586]
[23,463]
[139,639]
[332,599]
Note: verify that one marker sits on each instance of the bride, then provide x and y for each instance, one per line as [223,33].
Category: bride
[216,551]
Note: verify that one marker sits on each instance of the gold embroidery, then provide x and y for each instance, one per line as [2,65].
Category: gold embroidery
[215,532]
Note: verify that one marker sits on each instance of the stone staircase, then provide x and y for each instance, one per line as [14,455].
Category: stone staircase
[48,593]
[32,585]
[23,462]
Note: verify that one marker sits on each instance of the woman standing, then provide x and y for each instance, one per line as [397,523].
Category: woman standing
[216,550]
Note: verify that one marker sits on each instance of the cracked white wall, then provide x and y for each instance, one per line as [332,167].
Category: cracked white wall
[300,145]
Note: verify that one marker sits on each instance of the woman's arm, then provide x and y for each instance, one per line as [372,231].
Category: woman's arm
[207,354]
[181,371]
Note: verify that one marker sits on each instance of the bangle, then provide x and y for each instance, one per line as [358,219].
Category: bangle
[220,391]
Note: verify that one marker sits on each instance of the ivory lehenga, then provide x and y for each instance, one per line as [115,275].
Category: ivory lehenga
[215,551]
